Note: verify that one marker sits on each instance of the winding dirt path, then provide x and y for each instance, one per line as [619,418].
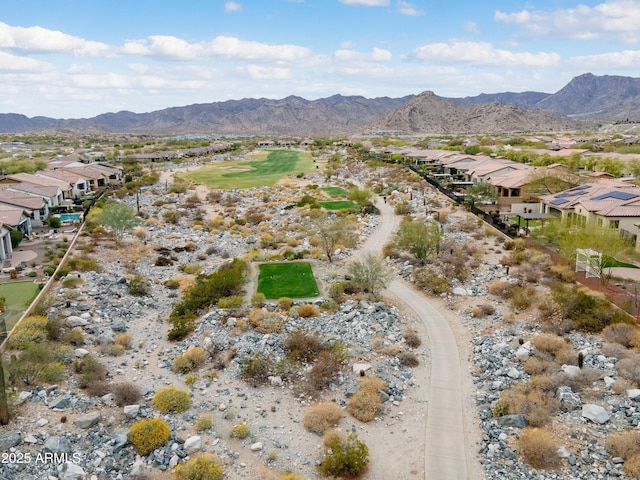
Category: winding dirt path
[448,437]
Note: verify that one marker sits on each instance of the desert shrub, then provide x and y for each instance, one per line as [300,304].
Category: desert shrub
[240,430]
[172,284]
[172,400]
[344,457]
[537,406]
[191,269]
[126,393]
[548,343]
[539,448]
[125,340]
[337,290]
[408,359]
[74,337]
[629,368]
[622,333]
[523,297]
[515,244]
[234,301]
[431,281]
[290,476]
[54,329]
[52,372]
[501,288]
[258,299]
[632,466]
[181,364]
[307,311]
[366,404]
[302,345]
[197,355]
[90,370]
[411,337]
[29,330]
[538,366]
[322,416]
[204,422]
[481,311]
[162,261]
[256,367]
[148,434]
[624,444]
[138,286]
[285,303]
[563,273]
[266,322]
[201,467]
[323,370]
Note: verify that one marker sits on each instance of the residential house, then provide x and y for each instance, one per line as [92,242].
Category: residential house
[15,218]
[35,206]
[53,195]
[5,242]
[63,185]
[611,204]
[77,182]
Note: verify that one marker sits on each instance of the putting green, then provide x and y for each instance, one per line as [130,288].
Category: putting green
[266,169]
[291,279]
[19,296]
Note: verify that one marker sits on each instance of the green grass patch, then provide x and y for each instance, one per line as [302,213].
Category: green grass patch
[610,262]
[335,191]
[19,296]
[291,279]
[338,205]
[265,169]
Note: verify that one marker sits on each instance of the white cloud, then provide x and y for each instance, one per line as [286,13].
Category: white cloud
[38,39]
[366,3]
[102,80]
[232,7]
[406,8]
[627,59]
[618,19]
[12,63]
[260,72]
[358,58]
[480,53]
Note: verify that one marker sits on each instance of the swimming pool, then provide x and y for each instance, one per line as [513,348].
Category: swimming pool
[70,217]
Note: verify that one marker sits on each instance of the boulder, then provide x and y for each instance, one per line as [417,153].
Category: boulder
[131,411]
[87,420]
[57,445]
[515,421]
[72,471]
[9,440]
[73,321]
[595,413]
[569,400]
[192,444]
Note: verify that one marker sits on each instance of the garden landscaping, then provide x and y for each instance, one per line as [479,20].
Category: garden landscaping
[290,279]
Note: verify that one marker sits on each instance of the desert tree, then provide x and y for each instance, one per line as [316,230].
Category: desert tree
[370,274]
[341,231]
[119,218]
[421,238]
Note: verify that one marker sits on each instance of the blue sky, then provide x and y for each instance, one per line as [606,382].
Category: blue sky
[80,58]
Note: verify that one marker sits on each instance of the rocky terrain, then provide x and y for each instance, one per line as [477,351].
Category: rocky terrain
[63,432]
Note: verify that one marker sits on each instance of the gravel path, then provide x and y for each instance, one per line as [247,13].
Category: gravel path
[446,437]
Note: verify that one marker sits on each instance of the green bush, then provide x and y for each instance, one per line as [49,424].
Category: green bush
[344,457]
[138,286]
[148,434]
[172,400]
[256,367]
[29,330]
[182,364]
[204,422]
[200,467]
[258,299]
[234,301]
[240,430]
[90,369]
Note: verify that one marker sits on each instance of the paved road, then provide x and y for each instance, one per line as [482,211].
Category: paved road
[446,457]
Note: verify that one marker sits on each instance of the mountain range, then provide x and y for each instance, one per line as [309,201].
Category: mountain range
[587,100]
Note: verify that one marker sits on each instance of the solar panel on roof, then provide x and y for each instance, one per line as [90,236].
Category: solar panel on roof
[617,195]
[559,201]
